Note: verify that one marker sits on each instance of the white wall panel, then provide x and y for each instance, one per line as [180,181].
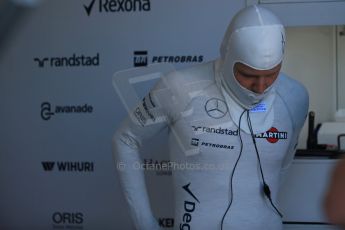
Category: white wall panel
[89,197]
[310,58]
[306,12]
[341,67]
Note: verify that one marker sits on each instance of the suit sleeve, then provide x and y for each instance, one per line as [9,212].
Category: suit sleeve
[143,122]
[296,99]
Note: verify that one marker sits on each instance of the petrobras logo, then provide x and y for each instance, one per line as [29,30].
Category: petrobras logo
[273,135]
[67,220]
[218,146]
[196,142]
[141,58]
[218,130]
[47,110]
[75,60]
[67,166]
[116,6]
[166,222]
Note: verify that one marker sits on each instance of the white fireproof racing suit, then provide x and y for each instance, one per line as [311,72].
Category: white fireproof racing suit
[212,131]
[215,136]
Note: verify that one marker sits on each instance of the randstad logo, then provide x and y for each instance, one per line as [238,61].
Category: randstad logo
[47,110]
[66,166]
[113,6]
[72,61]
[219,130]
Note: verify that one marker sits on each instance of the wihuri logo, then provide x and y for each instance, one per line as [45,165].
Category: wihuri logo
[66,166]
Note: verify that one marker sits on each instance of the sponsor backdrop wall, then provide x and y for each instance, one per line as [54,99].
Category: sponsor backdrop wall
[59,109]
[57,169]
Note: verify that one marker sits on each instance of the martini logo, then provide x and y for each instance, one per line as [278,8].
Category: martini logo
[273,135]
[114,6]
[141,58]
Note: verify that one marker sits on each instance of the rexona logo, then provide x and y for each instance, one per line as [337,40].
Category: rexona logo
[166,222]
[65,166]
[273,135]
[141,58]
[68,220]
[189,207]
[114,6]
[71,61]
[47,110]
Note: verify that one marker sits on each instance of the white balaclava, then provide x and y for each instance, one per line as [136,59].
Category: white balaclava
[256,38]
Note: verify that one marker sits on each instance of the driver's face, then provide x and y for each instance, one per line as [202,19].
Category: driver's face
[255,80]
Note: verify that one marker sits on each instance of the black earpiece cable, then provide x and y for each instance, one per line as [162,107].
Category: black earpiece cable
[233,171]
[266,188]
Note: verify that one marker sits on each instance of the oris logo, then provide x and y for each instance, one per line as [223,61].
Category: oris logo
[273,135]
[114,6]
[68,220]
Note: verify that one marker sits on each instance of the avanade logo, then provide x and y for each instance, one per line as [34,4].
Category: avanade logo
[47,110]
[113,6]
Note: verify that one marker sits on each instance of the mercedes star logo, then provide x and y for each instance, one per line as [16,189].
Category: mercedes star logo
[216,108]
